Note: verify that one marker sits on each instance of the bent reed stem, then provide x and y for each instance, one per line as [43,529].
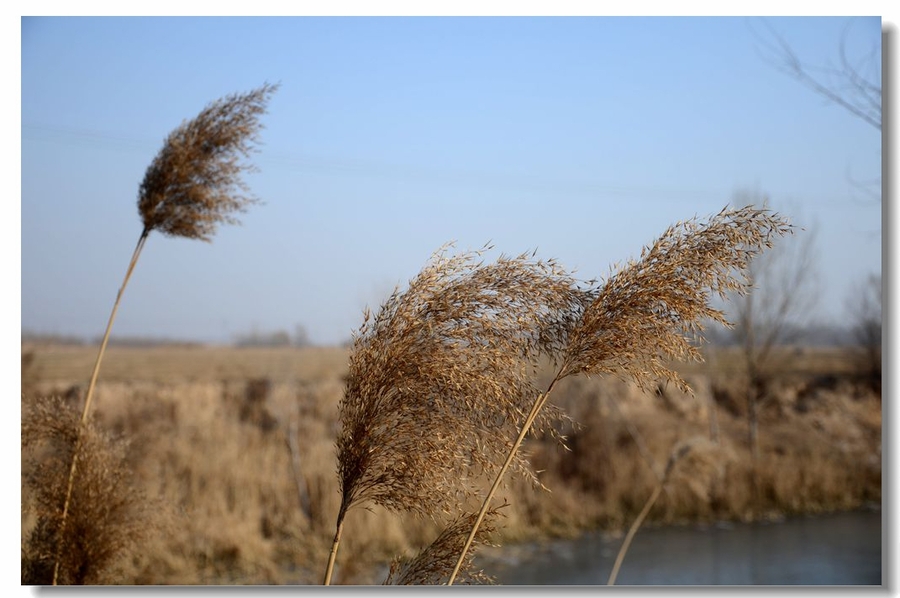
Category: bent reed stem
[632,531]
[526,426]
[678,452]
[88,397]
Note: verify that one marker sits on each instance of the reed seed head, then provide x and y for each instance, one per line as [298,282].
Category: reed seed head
[441,379]
[108,515]
[434,564]
[194,182]
[653,310]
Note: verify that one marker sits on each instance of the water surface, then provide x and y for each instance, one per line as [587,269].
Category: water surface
[836,549]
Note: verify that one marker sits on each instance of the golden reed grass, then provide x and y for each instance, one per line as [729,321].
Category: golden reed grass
[439,379]
[430,566]
[653,310]
[442,386]
[108,515]
[192,185]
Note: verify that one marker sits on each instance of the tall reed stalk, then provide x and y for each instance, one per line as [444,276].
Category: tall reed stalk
[441,390]
[191,186]
[653,310]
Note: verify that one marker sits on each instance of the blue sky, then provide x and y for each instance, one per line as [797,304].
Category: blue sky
[583,138]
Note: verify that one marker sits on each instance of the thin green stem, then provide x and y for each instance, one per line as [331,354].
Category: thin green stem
[87,403]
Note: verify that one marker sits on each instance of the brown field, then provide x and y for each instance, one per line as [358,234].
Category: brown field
[233,451]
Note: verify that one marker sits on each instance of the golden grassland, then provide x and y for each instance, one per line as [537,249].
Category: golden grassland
[234,450]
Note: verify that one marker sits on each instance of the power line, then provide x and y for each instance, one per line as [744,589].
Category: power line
[362,167]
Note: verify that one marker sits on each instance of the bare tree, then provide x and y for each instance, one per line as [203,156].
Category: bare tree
[854,83]
[781,298]
[864,307]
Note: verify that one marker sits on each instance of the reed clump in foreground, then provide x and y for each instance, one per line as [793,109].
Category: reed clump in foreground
[192,185]
[108,517]
[442,388]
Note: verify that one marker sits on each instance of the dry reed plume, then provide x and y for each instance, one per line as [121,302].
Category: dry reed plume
[653,310]
[193,184]
[107,515]
[442,388]
[432,565]
[440,379]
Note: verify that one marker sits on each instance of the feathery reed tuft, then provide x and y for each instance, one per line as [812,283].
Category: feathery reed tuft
[440,379]
[108,515]
[191,186]
[194,183]
[432,566]
[654,309]
[442,391]
[441,372]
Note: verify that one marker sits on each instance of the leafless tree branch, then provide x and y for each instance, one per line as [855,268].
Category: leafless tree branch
[855,86]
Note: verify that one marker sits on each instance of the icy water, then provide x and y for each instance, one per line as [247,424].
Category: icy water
[837,549]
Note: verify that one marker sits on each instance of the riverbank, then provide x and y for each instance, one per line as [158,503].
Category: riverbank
[233,453]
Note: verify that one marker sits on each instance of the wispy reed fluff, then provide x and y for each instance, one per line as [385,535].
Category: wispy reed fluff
[439,371]
[108,516]
[194,182]
[432,566]
[441,378]
[651,310]
[442,387]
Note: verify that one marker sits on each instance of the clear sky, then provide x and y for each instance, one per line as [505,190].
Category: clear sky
[583,138]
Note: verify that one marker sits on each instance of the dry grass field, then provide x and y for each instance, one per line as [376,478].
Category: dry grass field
[206,465]
[232,452]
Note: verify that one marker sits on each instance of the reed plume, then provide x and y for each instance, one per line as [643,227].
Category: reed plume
[194,183]
[441,377]
[433,564]
[108,515]
[191,186]
[653,310]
